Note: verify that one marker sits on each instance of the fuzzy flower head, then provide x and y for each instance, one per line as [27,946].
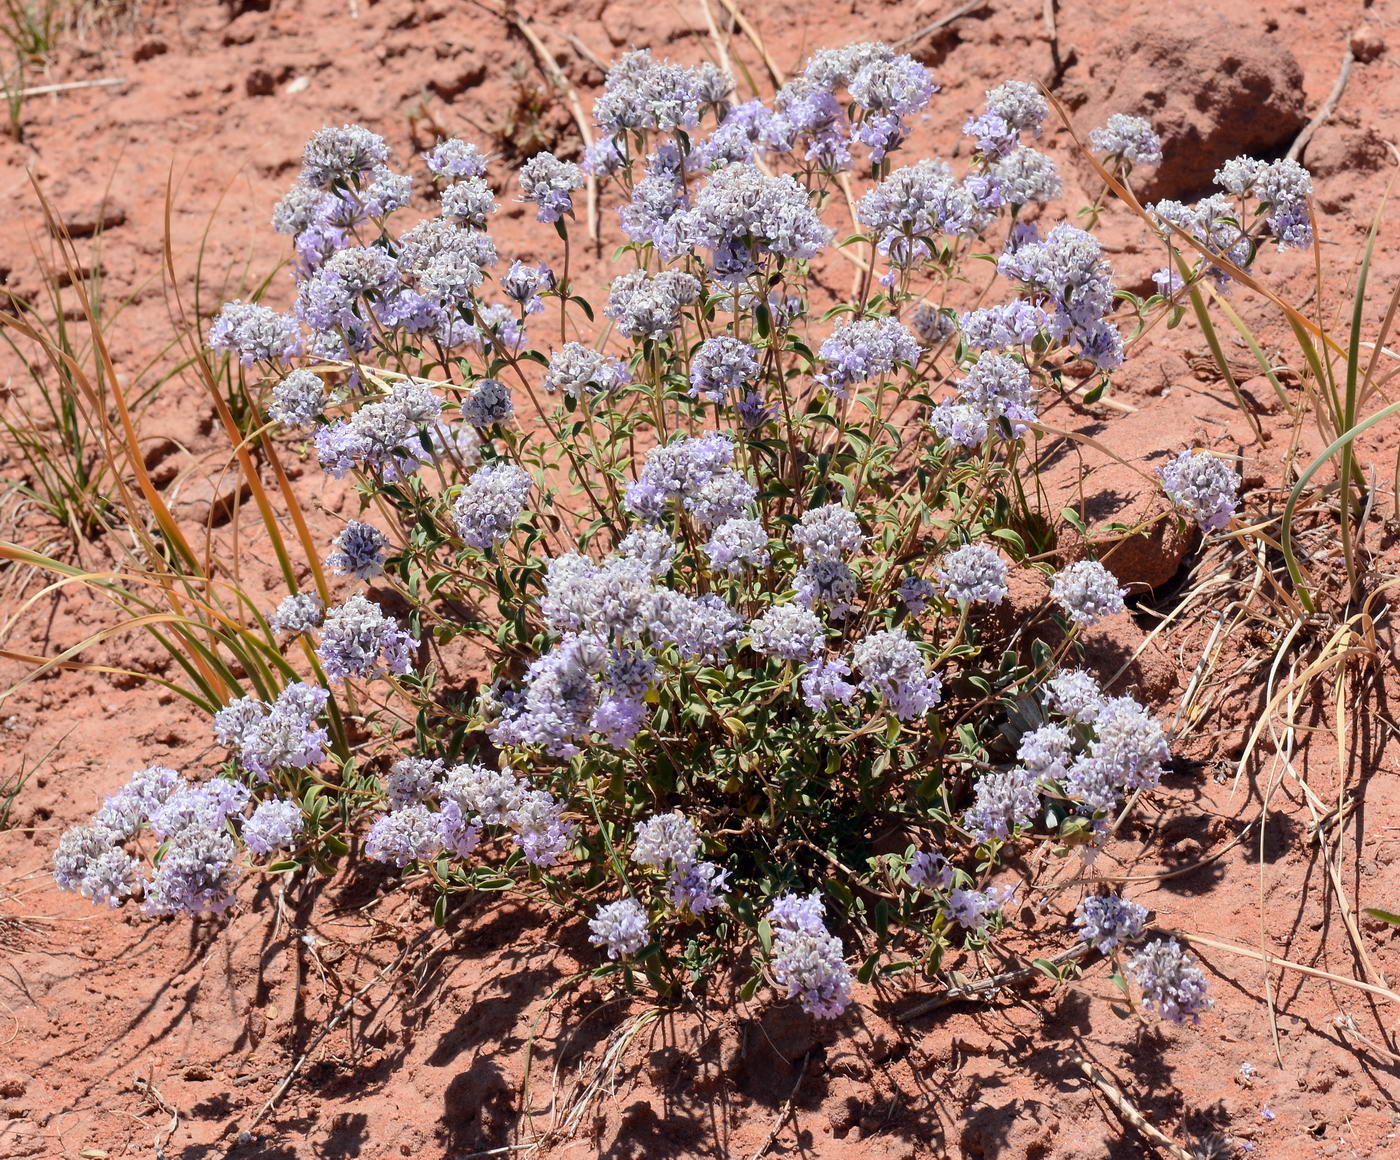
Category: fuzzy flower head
[974,573]
[359,640]
[828,532]
[1172,984]
[1005,802]
[666,839]
[1107,922]
[274,826]
[1076,694]
[1088,592]
[649,306]
[1012,108]
[621,927]
[1204,487]
[453,159]
[359,551]
[930,870]
[344,155]
[791,632]
[1131,140]
[808,962]
[255,333]
[581,372]
[893,668]
[736,544]
[865,349]
[721,368]
[297,614]
[549,183]
[491,504]
[298,400]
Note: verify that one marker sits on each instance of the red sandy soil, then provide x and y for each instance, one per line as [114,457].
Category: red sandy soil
[119,1033]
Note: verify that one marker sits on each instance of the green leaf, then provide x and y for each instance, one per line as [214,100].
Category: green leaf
[1383,915]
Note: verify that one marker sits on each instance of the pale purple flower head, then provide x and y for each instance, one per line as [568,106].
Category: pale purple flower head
[359,551]
[549,183]
[298,400]
[274,826]
[255,333]
[893,668]
[1130,139]
[1171,982]
[621,927]
[359,640]
[975,573]
[1087,591]
[1107,922]
[491,504]
[1204,487]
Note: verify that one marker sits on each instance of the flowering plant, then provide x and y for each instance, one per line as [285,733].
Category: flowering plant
[740,561]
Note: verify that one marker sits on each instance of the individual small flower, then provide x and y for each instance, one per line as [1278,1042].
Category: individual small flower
[790,632]
[697,888]
[621,927]
[666,839]
[581,372]
[408,834]
[255,333]
[453,159]
[930,870]
[721,368]
[1087,591]
[274,826]
[1204,487]
[341,155]
[1076,694]
[893,668]
[807,961]
[487,403]
[915,592]
[1130,139]
[862,350]
[358,640]
[1171,981]
[549,183]
[491,504]
[359,551]
[1107,922]
[970,908]
[824,683]
[297,614]
[298,400]
[737,544]
[974,573]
